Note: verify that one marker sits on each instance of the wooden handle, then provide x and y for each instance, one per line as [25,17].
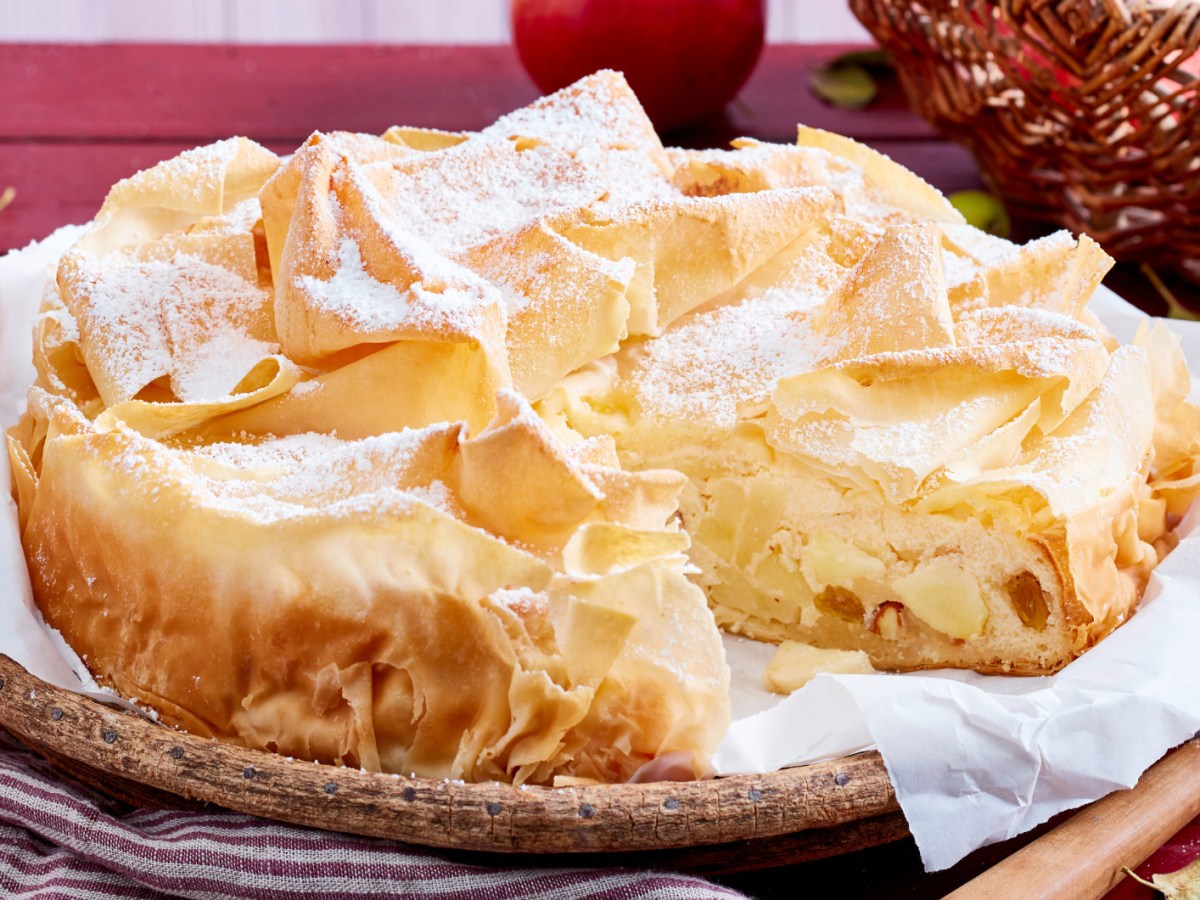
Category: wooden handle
[1082,858]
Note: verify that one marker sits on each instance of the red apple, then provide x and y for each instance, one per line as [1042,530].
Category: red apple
[685,59]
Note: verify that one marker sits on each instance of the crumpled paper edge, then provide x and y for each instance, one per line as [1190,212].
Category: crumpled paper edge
[24,635]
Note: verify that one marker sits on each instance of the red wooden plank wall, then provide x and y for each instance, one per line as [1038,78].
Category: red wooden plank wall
[74,119]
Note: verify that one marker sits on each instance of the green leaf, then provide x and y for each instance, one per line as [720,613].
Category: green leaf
[845,86]
[867,59]
[983,211]
[1179,311]
[1175,309]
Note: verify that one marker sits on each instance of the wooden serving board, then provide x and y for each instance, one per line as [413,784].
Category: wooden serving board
[802,813]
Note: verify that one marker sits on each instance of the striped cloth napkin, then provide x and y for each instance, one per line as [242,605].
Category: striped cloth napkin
[58,839]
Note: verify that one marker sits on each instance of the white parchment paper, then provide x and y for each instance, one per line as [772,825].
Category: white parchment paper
[974,758]
[22,634]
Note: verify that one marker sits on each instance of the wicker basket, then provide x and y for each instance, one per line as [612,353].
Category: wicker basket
[1080,112]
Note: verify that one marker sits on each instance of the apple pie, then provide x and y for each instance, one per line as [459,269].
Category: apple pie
[448,453]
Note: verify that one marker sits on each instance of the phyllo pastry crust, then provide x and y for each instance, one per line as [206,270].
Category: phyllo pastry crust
[875,467]
[448,453]
[275,481]
[386,602]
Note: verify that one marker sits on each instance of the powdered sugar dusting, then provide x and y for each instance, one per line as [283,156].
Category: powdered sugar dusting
[923,444]
[239,220]
[760,166]
[184,317]
[299,475]
[524,601]
[893,300]
[194,174]
[121,333]
[214,366]
[465,195]
[463,221]
[712,362]
[363,302]
[601,124]
[985,250]
[597,111]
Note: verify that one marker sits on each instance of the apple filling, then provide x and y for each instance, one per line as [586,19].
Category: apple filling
[901,585]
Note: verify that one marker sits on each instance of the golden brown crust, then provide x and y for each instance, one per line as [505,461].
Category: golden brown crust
[257,507]
[347,612]
[275,480]
[890,405]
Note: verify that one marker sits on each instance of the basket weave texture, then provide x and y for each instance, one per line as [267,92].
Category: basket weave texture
[1080,112]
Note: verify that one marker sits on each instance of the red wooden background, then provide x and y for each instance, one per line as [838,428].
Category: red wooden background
[74,119]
